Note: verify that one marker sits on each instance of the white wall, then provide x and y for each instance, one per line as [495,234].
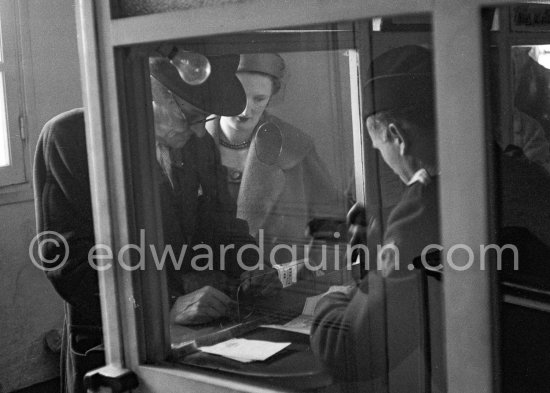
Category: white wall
[29,307]
[316,99]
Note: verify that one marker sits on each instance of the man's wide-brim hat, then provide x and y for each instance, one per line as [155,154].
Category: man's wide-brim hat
[221,93]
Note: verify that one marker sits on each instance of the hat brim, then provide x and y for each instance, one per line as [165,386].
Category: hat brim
[221,94]
[397,91]
[266,63]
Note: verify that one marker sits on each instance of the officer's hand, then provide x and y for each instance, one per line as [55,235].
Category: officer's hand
[201,306]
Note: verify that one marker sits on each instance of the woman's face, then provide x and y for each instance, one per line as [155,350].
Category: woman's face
[171,125]
[258,89]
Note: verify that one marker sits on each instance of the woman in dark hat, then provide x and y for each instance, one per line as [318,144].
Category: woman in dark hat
[274,171]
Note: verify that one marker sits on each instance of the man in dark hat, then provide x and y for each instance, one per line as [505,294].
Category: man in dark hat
[349,331]
[191,165]
[195,205]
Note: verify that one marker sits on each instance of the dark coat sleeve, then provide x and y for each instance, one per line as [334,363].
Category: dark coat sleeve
[217,221]
[334,335]
[350,334]
[63,206]
[200,212]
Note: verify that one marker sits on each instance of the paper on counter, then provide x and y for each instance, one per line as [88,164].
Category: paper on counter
[244,350]
[300,324]
[340,288]
[311,304]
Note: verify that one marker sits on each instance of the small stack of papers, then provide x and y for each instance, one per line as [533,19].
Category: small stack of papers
[302,323]
[245,351]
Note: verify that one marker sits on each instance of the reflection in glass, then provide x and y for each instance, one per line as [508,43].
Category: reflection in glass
[521,189]
[531,83]
[193,68]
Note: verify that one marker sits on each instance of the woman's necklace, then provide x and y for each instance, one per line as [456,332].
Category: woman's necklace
[234,146]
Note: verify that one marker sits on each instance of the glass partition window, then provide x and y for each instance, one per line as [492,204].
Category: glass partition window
[280,186]
[522,184]
[518,76]
[270,179]
[530,83]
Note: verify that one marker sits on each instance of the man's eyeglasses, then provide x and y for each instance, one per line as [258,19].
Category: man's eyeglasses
[199,119]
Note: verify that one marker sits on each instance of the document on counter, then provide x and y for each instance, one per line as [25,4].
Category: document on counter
[245,351]
[302,323]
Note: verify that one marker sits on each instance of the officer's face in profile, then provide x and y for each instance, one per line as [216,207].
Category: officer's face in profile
[387,141]
[258,89]
[175,119]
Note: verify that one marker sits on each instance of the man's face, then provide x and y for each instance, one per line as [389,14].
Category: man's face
[389,147]
[258,89]
[174,117]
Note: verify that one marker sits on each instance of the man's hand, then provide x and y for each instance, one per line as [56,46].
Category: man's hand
[260,282]
[201,306]
[357,224]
